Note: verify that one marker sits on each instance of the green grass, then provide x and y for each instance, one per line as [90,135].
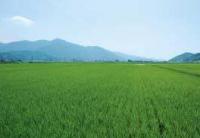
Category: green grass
[99,100]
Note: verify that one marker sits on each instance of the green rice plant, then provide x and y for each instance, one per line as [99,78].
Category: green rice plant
[99,100]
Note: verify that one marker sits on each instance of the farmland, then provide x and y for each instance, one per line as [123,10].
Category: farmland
[99,100]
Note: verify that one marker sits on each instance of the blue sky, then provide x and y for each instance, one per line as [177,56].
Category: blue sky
[150,28]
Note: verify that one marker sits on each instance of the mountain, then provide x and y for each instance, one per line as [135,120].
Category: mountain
[186,57]
[58,50]
[25,56]
[132,57]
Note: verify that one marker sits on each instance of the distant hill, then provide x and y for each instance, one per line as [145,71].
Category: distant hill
[132,57]
[186,57]
[58,50]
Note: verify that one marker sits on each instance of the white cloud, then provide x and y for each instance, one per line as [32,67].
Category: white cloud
[22,20]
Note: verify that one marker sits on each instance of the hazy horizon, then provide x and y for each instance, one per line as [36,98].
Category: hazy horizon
[152,29]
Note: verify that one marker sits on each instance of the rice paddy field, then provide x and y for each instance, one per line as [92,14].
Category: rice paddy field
[91,100]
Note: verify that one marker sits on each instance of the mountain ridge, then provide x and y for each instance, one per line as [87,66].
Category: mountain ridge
[60,50]
[186,57]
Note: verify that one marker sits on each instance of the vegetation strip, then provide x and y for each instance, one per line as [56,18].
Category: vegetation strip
[178,70]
